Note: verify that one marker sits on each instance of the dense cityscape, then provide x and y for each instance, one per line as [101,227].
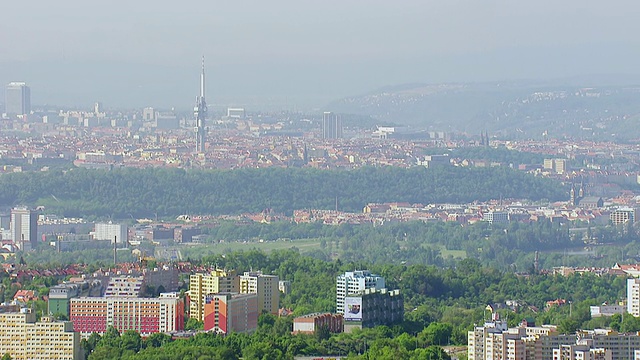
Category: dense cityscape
[415,181]
[166,278]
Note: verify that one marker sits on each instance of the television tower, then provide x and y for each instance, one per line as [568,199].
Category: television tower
[200,113]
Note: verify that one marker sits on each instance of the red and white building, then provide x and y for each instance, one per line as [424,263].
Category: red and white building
[144,315]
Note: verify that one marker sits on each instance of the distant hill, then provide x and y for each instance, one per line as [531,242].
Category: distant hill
[567,107]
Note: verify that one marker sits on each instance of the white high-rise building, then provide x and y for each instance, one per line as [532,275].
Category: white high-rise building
[17,99]
[352,282]
[633,297]
[24,228]
[109,231]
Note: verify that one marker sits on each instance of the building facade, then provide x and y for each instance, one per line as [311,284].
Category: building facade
[112,232]
[231,312]
[265,286]
[331,126]
[496,217]
[622,216]
[633,296]
[125,286]
[144,315]
[494,340]
[308,324]
[582,350]
[201,285]
[24,338]
[24,228]
[372,307]
[17,99]
[352,282]
[60,298]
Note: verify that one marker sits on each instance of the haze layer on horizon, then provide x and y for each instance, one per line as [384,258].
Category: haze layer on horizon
[292,53]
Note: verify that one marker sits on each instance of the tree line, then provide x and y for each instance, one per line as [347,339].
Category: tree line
[126,193]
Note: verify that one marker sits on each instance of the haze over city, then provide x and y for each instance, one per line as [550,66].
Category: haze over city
[291,54]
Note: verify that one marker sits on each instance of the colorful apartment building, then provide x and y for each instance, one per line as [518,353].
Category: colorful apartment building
[265,286]
[144,315]
[201,285]
[231,312]
[495,340]
[24,338]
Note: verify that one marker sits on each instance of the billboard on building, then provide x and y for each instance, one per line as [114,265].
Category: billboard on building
[353,308]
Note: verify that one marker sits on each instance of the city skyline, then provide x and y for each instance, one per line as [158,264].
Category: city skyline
[289,54]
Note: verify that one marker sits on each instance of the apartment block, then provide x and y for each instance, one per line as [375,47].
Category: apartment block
[125,286]
[622,216]
[494,340]
[201,285]
[496,217]
[310,323]
[352,282]
[231,312]
[265,286]
[24,338]
[60,298]
[582,350]
[372,307]
[113,232]
[633,296]
[144,315]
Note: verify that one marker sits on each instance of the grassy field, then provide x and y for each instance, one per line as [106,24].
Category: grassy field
[456,254]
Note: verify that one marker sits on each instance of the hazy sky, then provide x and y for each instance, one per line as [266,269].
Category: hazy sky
[147,52]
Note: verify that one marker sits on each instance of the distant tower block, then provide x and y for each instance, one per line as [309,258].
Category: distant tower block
[17,100]
[236,113]
[200,113]
[331,126]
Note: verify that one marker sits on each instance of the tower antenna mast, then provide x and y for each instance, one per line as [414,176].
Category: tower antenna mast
[200,113]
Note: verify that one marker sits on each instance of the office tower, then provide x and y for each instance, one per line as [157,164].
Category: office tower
[148,114]
[331,126]
[17,99]
[201,285]
[200,113]
[22,337]
[109,231]
[225,313]
[352,282]
[24,228]
[266,286]
[145,315]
